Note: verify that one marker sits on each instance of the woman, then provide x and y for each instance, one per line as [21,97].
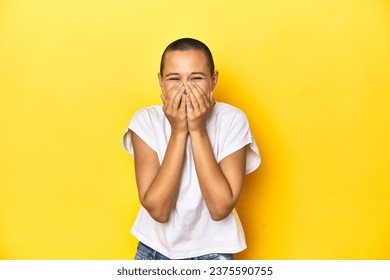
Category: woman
[191,155]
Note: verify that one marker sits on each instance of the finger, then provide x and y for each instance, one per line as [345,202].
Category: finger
[176,102]
[162,90]
[198,88]
[183,103]
[164,100]
[202,93]
[192,98]
[168,97]
[172,91]
[188,102]
[200,98]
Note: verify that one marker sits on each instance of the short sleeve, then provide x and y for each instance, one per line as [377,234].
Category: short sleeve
[141,125]
[237,134]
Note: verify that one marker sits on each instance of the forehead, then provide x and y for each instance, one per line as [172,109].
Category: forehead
[185,61]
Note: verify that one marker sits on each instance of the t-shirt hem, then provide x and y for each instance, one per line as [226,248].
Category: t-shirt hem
[191,253]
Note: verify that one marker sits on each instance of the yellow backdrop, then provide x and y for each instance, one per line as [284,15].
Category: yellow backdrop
[312,76]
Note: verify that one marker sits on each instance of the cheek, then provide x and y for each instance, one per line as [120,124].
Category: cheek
[205,86]
[167,86]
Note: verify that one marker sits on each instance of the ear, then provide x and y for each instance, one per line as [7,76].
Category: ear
[160,80]
[214,80]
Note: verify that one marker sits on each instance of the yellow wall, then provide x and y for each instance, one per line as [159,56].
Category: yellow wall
[312,76]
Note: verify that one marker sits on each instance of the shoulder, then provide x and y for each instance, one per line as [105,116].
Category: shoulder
[226,109]
[153,111]
[145,122]
[147,118]
[228,113]
[149,114]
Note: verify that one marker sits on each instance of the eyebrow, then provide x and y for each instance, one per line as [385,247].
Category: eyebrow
[173,74]
[193,73]
[198,73]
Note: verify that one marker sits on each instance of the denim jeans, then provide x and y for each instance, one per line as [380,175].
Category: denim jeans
[146,253]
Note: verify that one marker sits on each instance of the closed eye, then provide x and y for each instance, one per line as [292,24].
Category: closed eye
[197,78]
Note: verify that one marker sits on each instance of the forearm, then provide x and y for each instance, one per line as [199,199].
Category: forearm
[215,187]
[162,194]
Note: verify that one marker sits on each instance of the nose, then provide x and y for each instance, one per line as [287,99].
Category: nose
[185,84]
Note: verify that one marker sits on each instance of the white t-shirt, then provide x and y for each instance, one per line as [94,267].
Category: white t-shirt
[190,231]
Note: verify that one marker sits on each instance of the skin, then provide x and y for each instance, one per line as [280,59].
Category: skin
[187,94]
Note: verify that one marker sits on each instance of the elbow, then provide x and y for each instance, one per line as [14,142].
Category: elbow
[160,218]
[158,215]
[219,215]
[217,218]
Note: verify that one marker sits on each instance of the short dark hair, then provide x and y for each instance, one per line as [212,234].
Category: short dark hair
[186,44]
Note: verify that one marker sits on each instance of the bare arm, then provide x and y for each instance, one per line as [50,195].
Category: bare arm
[221,184]
[158,186]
